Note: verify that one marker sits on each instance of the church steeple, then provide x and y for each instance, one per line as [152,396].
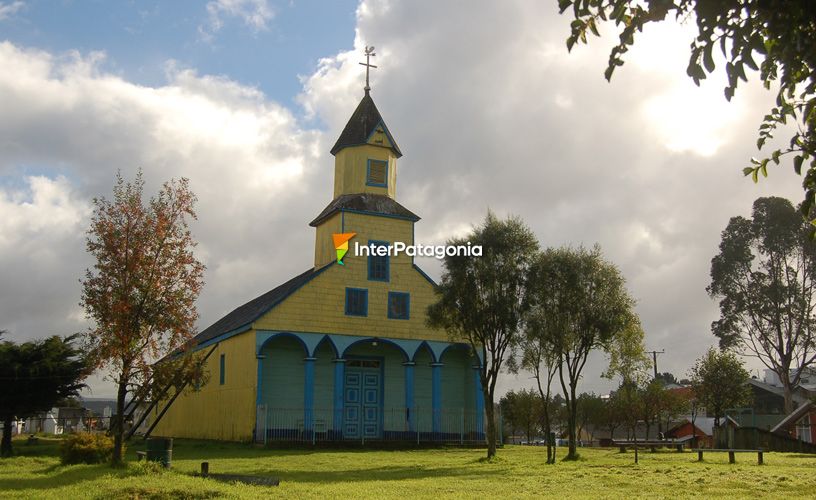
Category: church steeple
[365,154]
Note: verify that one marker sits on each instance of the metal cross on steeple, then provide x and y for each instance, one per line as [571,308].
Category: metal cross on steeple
[369,52]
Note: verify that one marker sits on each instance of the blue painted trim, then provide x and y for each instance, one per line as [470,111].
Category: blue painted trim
[306,350]
[430,351]
[393,146]
[430,280]
[380,243]
[365,306]
[479,398]
[378,214]
[308,393]
[381,359]
[223,336]
[259,386]
[339,375]
[436,395]
[407,304]
[221,369]
[457,345]
[378,339]
[409,395]
[368,173]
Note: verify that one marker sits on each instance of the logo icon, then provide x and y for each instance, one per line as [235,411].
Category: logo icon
[341,245]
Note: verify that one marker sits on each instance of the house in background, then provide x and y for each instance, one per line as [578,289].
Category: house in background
[703,430]
[801,424]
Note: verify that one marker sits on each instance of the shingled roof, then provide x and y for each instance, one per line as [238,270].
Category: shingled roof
[244,315]
[361,125]
[368,203]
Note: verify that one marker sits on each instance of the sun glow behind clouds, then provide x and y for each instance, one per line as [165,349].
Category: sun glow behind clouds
[684,117]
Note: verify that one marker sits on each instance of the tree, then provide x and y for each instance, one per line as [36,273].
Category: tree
[614,413]
[764,278]
[781,33]
[719,382]
[34,376]
[666,378]
[522,410]
[537,352]
[482,300]
[590,410]
[651,400]
[588,308]
[141,292]
[672,405]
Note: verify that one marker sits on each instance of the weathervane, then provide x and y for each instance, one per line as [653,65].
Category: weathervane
[369,52]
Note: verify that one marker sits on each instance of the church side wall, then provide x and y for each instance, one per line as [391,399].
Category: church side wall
[215,411]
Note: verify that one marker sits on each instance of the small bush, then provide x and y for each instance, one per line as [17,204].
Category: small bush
[146,468]
[87,448]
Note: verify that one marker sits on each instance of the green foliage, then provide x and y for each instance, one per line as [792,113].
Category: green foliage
[482,300]
[584,305]
[141,291]
[35,375]
[719,382]
[522,410]
[763,277]
[775,37]
[86,448]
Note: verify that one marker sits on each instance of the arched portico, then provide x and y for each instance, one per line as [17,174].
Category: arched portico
[361,387]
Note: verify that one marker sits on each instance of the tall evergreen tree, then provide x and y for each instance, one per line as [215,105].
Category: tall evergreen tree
[34,376]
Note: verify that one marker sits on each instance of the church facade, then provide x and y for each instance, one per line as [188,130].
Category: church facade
[341,351]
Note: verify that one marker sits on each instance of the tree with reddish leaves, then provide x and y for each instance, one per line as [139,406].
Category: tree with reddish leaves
[141,291]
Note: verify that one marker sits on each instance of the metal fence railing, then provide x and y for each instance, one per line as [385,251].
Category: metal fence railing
[60,425]
[453,426]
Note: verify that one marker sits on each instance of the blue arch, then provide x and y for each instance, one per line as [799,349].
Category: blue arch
[457,346]
[326,338]
[428,348]
[378,339]
[289,335]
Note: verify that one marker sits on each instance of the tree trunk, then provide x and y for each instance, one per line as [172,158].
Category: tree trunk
[491,427]
[571,423]
[118,426]
[5,448]
[648,427]
[788,393]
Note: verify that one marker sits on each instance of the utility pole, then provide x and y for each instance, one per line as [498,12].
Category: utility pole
[654,357]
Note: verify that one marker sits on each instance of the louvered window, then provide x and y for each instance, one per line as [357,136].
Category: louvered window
[377,173]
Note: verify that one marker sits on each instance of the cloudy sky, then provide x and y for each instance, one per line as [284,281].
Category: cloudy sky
[246,97]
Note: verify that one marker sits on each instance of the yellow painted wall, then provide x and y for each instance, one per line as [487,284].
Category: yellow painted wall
[319,306]
[224,412]
[325,251]
[350,166]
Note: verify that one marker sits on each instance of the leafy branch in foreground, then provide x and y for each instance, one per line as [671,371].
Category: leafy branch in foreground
[775,37]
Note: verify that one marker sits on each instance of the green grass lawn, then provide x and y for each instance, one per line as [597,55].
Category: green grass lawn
[519,472]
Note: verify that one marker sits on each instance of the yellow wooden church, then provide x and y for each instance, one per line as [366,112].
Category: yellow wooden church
[340,351]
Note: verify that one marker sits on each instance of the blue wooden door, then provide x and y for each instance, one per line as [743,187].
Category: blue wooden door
[362,400]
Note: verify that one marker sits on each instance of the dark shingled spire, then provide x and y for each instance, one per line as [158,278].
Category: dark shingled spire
[361,125]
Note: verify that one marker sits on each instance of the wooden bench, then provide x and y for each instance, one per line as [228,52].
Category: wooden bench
[652,445]
[731,454]
[140,455]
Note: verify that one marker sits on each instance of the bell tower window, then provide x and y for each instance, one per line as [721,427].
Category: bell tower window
[377,173]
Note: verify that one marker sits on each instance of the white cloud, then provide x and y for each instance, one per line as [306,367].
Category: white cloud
[248,161]
[253,13]
[9,9]
[499,117]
